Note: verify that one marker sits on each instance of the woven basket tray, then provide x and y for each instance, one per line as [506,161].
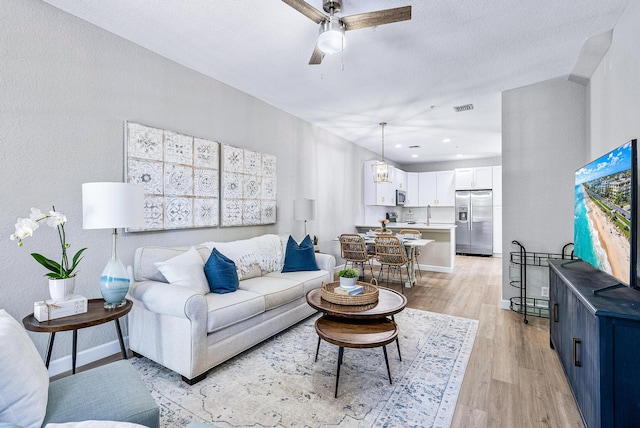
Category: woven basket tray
[369,295]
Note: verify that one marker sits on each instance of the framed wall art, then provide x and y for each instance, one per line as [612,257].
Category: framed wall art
[180,174]
[248,187]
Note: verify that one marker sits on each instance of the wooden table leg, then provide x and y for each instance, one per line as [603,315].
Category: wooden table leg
[318,348]
[52,336]
[340,353]
[386,360]
[122,349]
[74,351]
[397,340]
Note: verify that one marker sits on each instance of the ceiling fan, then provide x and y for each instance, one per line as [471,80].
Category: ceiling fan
[332,28]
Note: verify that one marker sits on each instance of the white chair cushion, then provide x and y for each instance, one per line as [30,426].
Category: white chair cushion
[185,270]
[24,381]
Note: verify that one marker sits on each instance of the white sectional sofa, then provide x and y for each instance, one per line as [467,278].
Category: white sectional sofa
[190,332]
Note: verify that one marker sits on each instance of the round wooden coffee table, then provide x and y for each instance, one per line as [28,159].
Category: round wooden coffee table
[366,326]
[389,303]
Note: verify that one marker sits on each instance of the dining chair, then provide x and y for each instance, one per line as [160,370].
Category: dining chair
[414,233]
[390,252]
[354,250]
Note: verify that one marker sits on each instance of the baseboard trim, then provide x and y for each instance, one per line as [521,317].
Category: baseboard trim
[87,356]
[433,268]
[505,304]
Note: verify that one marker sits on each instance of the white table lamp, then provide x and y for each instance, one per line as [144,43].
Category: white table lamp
[112,206]
[304,209]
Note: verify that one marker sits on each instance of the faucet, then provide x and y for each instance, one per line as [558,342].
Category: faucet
[428,214]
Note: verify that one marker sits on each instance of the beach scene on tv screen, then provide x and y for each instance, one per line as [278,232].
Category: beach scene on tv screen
[602,219]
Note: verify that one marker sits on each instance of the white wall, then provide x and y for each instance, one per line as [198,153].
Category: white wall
[66,88]
[615,88]
[543,143]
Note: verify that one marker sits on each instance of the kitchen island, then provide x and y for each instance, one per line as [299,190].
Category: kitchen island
[438,256]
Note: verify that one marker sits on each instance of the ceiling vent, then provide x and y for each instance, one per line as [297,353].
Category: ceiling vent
[465,107]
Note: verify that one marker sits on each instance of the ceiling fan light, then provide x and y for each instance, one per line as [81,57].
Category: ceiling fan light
[331,36]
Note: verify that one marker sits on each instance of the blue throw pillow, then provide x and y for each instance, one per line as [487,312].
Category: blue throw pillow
[221,273]
[300,257]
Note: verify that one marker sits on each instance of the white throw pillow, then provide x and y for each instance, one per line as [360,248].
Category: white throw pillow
[24,381]
[185,270]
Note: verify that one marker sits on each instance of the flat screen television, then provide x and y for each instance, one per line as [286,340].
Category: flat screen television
[605,216]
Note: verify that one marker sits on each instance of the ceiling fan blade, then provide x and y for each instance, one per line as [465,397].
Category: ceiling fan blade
[316,56]
[371,19]
[307,10]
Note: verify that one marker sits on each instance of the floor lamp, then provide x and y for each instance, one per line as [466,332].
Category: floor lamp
[304,209]
[112,206]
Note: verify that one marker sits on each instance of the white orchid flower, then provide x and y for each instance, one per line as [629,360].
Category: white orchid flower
[24,228]
[55,219]
[36,215]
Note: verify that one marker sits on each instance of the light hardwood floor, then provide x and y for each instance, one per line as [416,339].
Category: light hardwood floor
[513,379]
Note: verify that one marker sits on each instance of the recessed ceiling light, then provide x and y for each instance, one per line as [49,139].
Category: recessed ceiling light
[397,146]
[414,156]
[446,140]
[458,155]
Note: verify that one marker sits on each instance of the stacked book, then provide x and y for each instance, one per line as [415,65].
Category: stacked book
[351,291]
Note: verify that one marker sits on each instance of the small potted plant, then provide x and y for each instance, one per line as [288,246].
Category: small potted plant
[348,277]
[62,274]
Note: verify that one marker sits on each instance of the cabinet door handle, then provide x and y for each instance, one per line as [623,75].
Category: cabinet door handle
[574,355]
[555,311]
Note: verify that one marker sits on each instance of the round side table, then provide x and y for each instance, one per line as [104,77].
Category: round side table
[96,314]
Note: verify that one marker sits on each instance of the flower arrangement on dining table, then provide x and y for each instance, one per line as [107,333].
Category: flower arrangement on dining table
[383,224]
[25,227]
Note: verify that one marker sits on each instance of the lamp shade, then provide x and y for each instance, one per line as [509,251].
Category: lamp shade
[112,205]
[304,209]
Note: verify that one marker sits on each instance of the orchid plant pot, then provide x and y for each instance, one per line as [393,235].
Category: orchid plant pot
[61,289]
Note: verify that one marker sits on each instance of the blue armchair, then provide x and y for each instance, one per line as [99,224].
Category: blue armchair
[113,392]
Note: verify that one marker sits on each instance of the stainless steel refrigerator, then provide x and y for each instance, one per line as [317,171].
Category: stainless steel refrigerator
[474,218]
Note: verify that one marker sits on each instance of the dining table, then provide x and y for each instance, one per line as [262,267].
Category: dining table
[411,244]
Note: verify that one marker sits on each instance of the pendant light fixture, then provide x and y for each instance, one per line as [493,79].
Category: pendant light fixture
[382,171]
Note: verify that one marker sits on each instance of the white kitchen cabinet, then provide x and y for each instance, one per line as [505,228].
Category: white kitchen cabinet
[413,189]
[446,188]
[427,183]
[400,180]
[436,188]
[474,178]
[377,194]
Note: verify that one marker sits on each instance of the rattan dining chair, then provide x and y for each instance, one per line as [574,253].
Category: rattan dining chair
[354,250]
[416,251]
[390,252]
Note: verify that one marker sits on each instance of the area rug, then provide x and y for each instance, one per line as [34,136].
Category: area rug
[278,383]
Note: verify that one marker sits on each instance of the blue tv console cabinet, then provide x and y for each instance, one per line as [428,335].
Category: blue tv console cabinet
[597,338]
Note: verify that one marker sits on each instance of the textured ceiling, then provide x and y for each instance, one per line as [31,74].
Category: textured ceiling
[409,74]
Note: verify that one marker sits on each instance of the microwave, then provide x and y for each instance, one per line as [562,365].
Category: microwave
[401,197]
